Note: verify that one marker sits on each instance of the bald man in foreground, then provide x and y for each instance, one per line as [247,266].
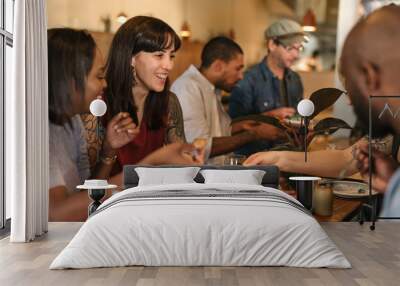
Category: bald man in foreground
[370,65]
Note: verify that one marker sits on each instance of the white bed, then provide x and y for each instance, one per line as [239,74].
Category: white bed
[203,225]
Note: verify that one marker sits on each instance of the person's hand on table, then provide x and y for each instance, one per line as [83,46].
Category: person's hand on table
[264,131]
[176,154]
[262,158]
[296,122]
[199,152]
[382,166]
[281,112]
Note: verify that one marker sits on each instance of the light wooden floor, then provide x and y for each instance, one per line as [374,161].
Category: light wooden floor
[375,257]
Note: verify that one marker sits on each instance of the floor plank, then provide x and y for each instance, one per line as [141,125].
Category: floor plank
[375,257]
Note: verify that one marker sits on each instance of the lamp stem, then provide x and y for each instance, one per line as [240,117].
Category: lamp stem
[98,139]
[305,138]
[301,122]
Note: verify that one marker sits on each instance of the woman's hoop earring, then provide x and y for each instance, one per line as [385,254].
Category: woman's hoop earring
[134,75]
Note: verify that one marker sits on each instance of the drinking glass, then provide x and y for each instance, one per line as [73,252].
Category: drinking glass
[234,159]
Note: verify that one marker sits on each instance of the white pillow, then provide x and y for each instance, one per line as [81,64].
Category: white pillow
[162,176]
[248,177]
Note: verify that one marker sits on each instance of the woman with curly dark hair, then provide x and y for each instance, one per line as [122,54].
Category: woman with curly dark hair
[140,59]
[76,78]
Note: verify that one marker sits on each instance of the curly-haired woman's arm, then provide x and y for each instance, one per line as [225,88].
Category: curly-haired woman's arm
[175,131]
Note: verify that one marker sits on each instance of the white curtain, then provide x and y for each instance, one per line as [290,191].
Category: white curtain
[27,151]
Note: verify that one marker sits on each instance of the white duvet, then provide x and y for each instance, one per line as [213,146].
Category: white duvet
[235,228]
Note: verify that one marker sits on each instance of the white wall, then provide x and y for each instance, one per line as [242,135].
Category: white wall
[207,18]
[88,13]
[252,19]
[349,13]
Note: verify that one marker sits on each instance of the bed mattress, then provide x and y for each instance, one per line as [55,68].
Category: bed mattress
[201,225]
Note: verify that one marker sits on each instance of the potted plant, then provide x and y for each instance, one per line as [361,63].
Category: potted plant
[322,99]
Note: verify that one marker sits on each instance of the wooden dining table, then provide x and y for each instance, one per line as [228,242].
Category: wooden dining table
[343,209]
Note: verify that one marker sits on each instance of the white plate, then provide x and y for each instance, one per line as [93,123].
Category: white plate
[305,178]
[350,189]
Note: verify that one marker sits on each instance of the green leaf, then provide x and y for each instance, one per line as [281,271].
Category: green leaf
[323,98]
[261,118]
[330,125]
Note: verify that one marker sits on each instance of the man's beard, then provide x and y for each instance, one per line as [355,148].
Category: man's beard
[380,126]
[222,85]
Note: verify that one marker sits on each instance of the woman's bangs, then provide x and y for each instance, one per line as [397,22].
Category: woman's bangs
[154,42]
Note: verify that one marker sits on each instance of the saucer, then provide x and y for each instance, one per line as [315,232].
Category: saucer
[96,184]
[350,189]
[305,178]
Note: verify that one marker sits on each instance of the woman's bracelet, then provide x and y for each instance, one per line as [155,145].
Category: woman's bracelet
[108,160]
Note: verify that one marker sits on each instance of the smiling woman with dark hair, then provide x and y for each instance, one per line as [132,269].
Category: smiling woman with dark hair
[140,59]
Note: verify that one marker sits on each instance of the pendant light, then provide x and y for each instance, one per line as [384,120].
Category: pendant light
[309,21]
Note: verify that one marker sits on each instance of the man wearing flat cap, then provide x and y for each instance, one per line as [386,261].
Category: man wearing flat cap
[271,87]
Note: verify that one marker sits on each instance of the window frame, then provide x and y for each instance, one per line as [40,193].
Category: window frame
[6,39]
